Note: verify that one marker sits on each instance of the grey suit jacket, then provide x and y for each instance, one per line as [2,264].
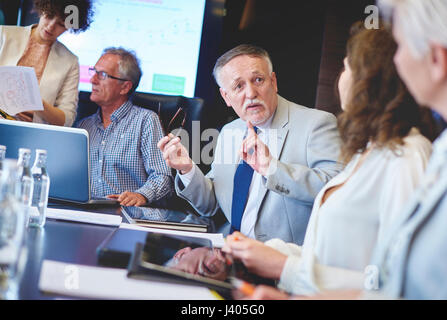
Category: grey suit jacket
[412,261]
[306,152]
[60,79]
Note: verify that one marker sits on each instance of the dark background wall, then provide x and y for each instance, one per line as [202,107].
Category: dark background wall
[292,33]
[339,17]
[306,41]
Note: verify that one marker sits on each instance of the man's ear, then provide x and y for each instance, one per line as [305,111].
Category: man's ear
[223,93]
[274,81]
[438,63]
[126,87]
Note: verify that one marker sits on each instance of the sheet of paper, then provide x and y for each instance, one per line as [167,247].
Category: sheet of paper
[216,238]
[83,216]
[108,283]
[19,90]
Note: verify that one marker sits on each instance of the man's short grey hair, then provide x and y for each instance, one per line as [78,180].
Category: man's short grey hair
[241,50]
[128,65]
[421,21]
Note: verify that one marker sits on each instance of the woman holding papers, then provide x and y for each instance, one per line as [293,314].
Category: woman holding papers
[57,69]
[381,129]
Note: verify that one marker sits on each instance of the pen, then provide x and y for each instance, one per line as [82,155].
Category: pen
[5,115]
[246,288]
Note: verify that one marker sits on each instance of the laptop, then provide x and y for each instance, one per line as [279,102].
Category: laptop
[68,163]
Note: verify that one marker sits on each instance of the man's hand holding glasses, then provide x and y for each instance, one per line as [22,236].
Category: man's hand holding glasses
[175,154]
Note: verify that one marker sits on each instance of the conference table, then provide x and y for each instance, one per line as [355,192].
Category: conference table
[67,242]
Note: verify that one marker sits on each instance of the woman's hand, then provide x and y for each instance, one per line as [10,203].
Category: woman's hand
[263,292]
[255,255]
[25,116]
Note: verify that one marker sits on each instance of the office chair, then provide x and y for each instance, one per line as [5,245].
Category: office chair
[85,106]
[165,106]
[174,111]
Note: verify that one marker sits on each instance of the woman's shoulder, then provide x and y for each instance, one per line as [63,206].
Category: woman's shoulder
[416,142]
[415,150]
[63,51]
[14,32]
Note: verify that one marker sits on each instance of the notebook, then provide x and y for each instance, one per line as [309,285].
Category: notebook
[68,163]
[166,219]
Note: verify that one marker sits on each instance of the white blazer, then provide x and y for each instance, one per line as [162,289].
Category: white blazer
[60,79]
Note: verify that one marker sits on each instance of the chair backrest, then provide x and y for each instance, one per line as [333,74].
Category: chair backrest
[194,107]
[169,105]
[85,106]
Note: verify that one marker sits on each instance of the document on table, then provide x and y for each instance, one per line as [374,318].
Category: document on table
[109,283]
[19,90]
[83,216]
[216,238]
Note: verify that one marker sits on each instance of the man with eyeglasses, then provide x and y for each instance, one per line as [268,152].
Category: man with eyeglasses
[125,162]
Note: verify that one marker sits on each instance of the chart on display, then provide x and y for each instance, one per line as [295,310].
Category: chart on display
[164,34]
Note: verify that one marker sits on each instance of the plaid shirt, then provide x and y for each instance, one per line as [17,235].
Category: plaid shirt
[124,156]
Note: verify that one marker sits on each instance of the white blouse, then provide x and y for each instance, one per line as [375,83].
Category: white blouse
[342,232]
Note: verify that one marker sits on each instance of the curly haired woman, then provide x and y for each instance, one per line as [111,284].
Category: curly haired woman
[57,69]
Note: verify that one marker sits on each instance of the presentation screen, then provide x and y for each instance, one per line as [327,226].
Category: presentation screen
[164,34]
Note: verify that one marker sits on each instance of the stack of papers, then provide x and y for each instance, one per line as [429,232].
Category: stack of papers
[107,283]
[19,90]
[84,216]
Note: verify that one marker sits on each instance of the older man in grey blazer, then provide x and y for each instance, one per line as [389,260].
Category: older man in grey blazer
[269,164]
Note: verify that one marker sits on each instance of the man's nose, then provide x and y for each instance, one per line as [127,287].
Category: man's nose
[52,24]
[251,91]
[94,78]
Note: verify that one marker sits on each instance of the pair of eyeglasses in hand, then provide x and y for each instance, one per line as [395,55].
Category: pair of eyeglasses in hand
[177,121]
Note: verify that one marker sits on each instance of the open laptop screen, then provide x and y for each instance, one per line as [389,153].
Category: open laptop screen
[67,155]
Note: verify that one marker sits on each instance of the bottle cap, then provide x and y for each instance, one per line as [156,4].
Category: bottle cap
[43,151]
[2,147]
[24,150]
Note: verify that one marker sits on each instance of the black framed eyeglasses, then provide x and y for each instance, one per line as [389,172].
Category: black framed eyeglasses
[102,75]
[177,121]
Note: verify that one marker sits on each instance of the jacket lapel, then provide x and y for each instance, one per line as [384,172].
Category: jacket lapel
[280,130]
[53,63]
[280,127]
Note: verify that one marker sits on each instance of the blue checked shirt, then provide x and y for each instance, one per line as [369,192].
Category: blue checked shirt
[124,156]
